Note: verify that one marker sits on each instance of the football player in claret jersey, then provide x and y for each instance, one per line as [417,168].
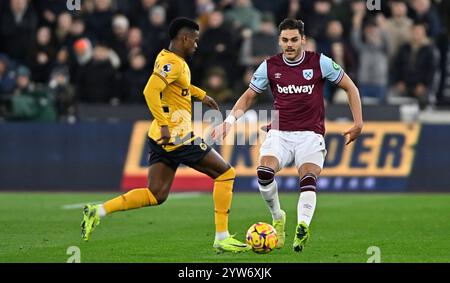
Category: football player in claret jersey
[296,78]
[172,142]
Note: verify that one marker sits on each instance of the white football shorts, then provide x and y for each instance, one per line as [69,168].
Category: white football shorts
[294,146]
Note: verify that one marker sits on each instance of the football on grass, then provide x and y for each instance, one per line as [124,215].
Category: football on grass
[262,237]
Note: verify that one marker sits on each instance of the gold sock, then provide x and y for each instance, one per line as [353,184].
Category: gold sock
[222,195]
[133,199]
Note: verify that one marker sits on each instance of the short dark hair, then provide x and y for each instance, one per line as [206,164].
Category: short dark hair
[292,24]
[178,23]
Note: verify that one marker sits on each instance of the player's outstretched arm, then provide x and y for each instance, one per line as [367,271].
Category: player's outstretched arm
[201,95]
[242,105]
[355,106]
[207,100]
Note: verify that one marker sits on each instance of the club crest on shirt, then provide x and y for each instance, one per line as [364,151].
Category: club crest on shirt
[308,74]
[167,67]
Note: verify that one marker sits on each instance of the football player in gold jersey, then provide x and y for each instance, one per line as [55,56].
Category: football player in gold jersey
[168,94]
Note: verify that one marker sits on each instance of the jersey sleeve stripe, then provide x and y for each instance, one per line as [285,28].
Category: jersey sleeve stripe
[164,79]
[255,88]
[339,78]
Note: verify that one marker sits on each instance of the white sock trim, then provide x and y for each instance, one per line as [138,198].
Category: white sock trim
[101,210]
[222,235]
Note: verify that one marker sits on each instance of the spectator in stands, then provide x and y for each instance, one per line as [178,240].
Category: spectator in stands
[64,62]
[78,31]
[62,58]
[155,30]
[48,11]
[372,50]
[203,8]
[244,15]
[88,6]
[7,75]
[288,9]
[216,85]
[279,9]
[135,41]
[99,22]
[316,21]
[339,48]
[221,45]
[63,28]
[7,84]
[30,101]
[17,30]
[216,48]
[415,66]
[63,93]
[42,55]
[336,47]
[398,27]
[423,11]
[443,95]
[346,11]
[256,47]
[134,79]
[333,33]
[121,27]
[141,12]
[342,11]
[96,81]
[83,51]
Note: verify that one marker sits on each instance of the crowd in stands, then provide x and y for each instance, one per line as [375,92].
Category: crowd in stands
[52,59]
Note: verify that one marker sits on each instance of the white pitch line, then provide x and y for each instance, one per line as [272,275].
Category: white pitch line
[78,205]
[171,196]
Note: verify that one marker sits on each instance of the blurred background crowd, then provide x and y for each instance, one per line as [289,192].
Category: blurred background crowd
[53,59]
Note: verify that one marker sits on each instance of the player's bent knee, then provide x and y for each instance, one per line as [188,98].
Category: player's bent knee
[266,175]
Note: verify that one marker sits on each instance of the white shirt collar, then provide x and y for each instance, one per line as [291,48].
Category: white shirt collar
[294,63]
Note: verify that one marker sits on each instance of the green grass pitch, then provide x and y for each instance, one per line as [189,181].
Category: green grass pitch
[34,227]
